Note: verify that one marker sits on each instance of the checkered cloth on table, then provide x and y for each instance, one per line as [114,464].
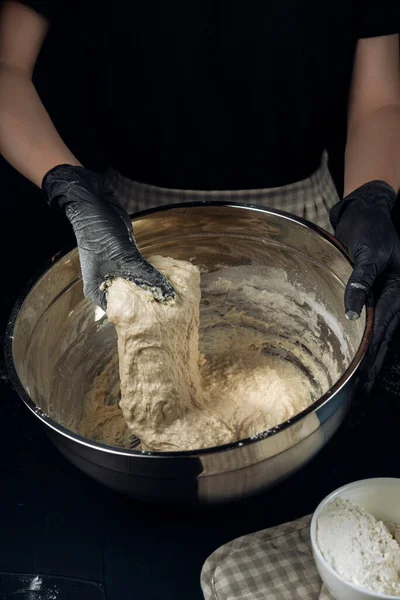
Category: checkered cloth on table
[310,198]
[273,564]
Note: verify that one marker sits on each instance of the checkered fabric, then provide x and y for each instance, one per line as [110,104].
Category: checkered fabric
[273,564]
[310,198]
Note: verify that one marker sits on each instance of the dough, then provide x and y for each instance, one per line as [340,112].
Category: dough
[175,398]
[161,396]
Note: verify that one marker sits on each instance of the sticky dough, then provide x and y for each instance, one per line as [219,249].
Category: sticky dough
[161,396]
[175,398]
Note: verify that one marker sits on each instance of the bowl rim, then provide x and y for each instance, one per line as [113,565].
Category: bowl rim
[313,531]
[65,432]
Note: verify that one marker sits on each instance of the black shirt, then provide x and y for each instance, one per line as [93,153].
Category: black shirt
[217,94]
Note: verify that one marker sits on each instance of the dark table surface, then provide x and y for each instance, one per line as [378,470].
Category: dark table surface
[86,542]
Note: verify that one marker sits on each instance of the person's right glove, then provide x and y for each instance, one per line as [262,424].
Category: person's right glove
[363,224]
[104,233]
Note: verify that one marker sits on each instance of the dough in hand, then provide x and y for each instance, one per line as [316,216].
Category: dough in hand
[243,374]
[161,396]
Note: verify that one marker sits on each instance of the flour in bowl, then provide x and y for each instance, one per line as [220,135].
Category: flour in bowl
[359,548]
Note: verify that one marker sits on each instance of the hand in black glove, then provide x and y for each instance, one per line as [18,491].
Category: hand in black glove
[104,234]
[363,223]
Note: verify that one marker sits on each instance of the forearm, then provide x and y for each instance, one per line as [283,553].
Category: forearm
[28,139]
[373,149]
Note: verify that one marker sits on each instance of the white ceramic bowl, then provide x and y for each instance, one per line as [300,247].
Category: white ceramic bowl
[381,498]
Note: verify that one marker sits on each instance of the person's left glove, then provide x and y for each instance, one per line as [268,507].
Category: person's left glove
[103,231]
[363,224]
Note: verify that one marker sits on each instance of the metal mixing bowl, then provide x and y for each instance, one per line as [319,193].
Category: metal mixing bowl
[57,342]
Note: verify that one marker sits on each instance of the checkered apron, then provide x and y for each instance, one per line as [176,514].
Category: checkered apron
[310,198]
[273,564]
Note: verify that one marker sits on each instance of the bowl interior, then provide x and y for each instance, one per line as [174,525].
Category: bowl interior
[61,342]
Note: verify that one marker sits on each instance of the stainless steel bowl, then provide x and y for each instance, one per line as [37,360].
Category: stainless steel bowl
[57,342]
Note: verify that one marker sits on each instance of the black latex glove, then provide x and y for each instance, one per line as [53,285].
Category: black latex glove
[363,224]
[103,231]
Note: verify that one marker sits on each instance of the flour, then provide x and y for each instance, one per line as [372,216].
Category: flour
[198,372]
[360,548]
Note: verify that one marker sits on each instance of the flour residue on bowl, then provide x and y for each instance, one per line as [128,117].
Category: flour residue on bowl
[268,349]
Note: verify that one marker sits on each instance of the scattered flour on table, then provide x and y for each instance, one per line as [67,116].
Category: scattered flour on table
[363,550]
[227,359]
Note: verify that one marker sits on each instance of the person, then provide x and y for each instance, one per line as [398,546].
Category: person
[218,100]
